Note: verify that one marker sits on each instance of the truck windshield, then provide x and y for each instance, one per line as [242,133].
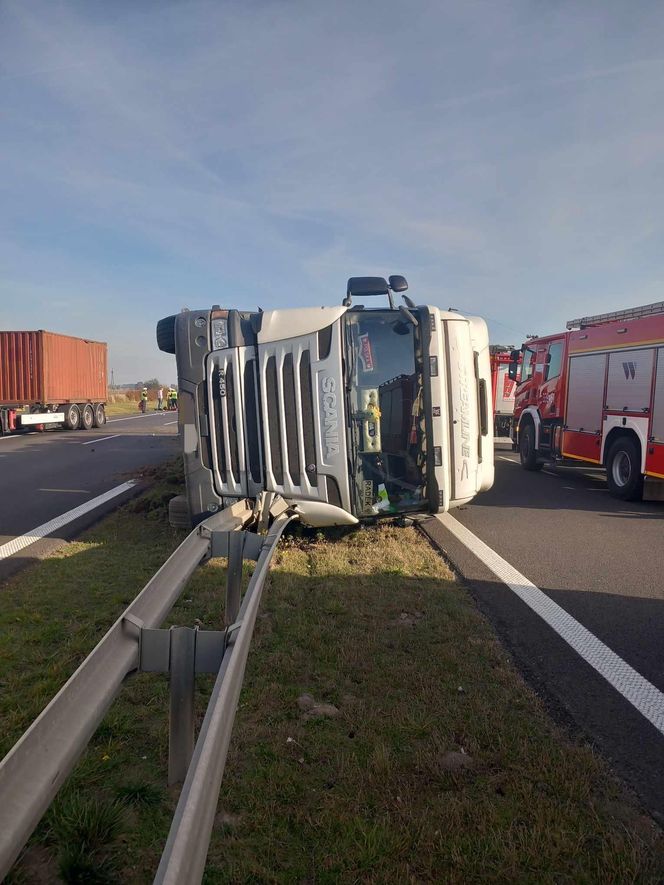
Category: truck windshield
[386,425]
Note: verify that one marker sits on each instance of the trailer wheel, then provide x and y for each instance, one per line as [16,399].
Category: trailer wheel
[623,470]
[99,415]
[87,417]
[527,450]
[178,513]
[72,416]
[166,334]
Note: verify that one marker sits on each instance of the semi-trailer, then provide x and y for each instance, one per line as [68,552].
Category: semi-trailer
[51,380]
[348,412]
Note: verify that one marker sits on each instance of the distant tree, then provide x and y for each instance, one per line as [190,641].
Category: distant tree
[153,382]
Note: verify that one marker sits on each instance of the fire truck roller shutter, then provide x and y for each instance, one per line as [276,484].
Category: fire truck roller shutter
[585,392]
[630,380]
[658,400]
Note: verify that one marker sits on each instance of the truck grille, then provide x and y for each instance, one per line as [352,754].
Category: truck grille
[288,415]
[236,454]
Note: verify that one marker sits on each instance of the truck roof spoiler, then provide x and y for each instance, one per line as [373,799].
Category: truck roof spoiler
[630,313]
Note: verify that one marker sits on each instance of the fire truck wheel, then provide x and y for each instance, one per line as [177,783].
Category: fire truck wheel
[623,470]
[527,451]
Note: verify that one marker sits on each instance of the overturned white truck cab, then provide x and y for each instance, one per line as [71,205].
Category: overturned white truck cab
[347,412]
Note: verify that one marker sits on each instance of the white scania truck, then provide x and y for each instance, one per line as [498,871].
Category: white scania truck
[347,412]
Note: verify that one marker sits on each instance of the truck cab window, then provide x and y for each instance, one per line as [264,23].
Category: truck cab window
[554,361]
[528,364]
[386,405]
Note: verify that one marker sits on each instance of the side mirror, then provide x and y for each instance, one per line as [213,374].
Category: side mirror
[512,370]
[398,283]
[514,356]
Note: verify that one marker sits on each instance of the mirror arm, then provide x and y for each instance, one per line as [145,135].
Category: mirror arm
[411,318]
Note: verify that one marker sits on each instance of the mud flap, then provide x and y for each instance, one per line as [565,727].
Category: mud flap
[653,489]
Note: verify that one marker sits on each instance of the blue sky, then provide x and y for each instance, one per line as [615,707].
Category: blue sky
[507,157]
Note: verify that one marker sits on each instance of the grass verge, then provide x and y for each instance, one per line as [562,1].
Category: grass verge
[439,764]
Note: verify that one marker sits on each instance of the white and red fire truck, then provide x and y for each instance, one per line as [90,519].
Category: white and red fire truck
[503,389]
[596,393]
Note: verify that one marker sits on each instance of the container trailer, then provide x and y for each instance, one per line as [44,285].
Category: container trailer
[50,380]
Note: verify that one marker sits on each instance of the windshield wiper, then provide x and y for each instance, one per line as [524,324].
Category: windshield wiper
[351,360]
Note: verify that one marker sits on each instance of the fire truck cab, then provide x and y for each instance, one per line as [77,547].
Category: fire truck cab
[595,393]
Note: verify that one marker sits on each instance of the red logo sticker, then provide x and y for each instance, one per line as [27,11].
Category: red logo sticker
[365,353]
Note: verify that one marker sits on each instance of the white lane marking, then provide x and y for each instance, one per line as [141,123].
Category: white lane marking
[643,695]
[18,435]
[101,439]
[509,460]
[77,491]
[53,525]
[133,417]
[170,422]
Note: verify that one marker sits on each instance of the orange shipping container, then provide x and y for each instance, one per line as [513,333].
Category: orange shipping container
[47,368]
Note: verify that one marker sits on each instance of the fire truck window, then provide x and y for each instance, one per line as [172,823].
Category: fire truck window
[554,359]
[529,358]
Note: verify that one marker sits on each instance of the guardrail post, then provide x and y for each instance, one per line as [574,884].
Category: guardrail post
[181,717]
[234,576]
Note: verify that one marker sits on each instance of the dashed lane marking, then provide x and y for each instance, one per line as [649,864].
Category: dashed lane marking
[134,417]
[53,525]
[101,439]
[643,695]
[73,491]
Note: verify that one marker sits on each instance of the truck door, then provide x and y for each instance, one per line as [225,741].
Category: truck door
[550,386]
[550,406]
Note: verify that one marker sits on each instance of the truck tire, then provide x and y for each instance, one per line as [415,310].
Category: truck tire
[623,469]
[178,513]
[72,416]
[99,415]
[166,334]
[527,450]
[87,417]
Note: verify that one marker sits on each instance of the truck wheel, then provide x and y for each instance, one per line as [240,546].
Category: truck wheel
[166,334]
[87,417]
[72,416]
[99,415]
[623,470]
[527,451]
[178,513]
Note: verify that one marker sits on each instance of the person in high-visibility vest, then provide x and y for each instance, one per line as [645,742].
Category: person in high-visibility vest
[174,399]
[144,400]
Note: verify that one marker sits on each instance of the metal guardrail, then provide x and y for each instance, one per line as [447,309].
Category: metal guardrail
[39,763]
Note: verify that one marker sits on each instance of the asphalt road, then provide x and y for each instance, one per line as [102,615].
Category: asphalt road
[602,561]
[45,475]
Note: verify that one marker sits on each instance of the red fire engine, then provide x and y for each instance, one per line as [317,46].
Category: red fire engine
[503,389]
[596,393]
